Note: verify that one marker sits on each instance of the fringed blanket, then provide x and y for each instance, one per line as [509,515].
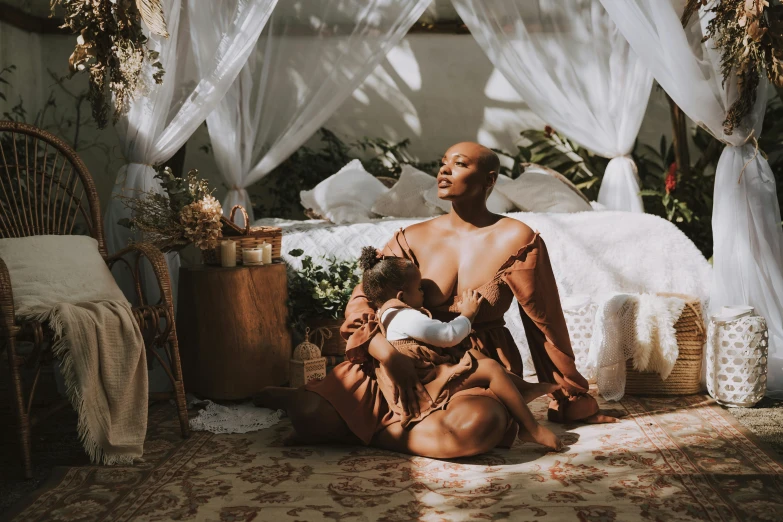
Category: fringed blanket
[62,281]
[633,327]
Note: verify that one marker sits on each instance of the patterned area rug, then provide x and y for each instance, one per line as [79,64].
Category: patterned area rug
[670,459]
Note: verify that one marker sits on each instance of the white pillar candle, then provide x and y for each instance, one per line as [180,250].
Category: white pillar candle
[252,256]
[228,253]
[267,256]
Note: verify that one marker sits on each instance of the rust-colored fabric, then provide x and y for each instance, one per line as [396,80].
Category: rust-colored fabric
[528,276]
[439,371]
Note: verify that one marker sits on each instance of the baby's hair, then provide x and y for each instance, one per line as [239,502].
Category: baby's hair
[383,276]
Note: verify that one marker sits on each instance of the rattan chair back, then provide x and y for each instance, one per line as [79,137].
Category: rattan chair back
[45,188]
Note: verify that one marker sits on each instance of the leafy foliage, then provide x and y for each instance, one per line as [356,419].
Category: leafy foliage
[307,167]
[320,290]
[553,150]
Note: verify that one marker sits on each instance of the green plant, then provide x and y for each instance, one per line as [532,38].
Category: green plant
[320,290]
[307,167]
[553,150]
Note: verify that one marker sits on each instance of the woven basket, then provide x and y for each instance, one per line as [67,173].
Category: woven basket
[685,378]
[248,237]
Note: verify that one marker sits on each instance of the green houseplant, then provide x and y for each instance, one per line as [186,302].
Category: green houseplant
[317,296]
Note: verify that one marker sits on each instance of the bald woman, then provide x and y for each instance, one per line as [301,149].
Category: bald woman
[468,248]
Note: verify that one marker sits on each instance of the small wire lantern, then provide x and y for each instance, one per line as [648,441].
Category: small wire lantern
[306,363]
[737,348]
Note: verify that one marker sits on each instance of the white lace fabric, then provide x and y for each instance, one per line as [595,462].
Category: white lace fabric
[639,328]
[236,418]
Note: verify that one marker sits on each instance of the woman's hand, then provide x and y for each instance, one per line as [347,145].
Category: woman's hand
[408,389]
[470,304]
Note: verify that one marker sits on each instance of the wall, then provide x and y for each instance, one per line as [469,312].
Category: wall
[435,89]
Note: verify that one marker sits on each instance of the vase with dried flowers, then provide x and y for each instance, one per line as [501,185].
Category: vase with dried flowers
[185,212]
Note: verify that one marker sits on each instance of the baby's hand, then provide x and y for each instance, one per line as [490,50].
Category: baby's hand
[470,304]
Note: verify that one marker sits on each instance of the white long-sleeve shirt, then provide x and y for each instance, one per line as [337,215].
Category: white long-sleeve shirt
[408,323]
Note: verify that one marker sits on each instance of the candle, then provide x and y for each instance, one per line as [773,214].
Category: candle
[252,256]
[228,253]
[267,256]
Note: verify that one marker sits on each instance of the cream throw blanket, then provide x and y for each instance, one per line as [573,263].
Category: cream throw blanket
[64,282]
[636,327]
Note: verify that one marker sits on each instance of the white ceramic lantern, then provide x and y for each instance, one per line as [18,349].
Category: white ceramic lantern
[737,345]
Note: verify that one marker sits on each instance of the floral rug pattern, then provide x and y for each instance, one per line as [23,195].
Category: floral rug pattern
[670,459]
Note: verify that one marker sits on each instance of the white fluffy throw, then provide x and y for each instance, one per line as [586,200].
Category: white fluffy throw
[636,327]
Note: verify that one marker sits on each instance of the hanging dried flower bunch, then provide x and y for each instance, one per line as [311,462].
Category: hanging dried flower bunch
[112,46]
[185,213]
[748,34]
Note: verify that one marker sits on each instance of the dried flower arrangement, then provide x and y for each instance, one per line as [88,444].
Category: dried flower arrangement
[748,34]
[113,47]
[185,213]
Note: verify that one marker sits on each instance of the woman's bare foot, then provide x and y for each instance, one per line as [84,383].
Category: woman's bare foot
[537,389]
[543,436]
[274,397]
[600,418]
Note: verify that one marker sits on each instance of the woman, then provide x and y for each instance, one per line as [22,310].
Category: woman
[467,248]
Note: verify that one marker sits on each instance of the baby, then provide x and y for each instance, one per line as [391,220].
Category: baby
[393,284]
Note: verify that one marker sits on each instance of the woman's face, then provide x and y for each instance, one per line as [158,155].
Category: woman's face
[461,174]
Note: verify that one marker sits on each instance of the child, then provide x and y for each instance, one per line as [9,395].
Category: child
[394,285]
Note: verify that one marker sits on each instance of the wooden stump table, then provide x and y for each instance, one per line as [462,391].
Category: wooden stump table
[233,330]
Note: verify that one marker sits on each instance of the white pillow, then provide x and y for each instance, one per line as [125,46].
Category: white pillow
[46,270]
[345,197]
[497,202]
[537,190]
[406,198]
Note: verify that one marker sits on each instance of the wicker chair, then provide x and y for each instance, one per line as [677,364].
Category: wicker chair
[46,189]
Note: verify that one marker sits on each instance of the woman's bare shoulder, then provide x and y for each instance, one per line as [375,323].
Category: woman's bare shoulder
[514,231]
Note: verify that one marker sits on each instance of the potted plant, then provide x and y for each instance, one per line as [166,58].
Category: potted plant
[317,297]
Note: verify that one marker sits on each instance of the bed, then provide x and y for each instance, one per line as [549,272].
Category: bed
[592,253]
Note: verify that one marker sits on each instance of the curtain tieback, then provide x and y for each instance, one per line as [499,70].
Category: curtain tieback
[629,157]
[755,153]
[751,138]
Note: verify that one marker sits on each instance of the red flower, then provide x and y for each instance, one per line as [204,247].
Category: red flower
[671,178]
[548,131]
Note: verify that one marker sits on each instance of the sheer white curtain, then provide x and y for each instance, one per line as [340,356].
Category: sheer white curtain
[161,121]
[309,59]
[748,239]
[575,70]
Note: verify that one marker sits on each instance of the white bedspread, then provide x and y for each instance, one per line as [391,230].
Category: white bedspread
[594,253]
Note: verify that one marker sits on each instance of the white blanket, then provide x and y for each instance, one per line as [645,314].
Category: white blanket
[639,328]
[593,253]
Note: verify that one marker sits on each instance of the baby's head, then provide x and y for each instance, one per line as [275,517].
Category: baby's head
[388,277]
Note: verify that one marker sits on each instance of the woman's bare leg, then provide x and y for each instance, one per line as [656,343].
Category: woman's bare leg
[492,375]
[469,426]
[530,390]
